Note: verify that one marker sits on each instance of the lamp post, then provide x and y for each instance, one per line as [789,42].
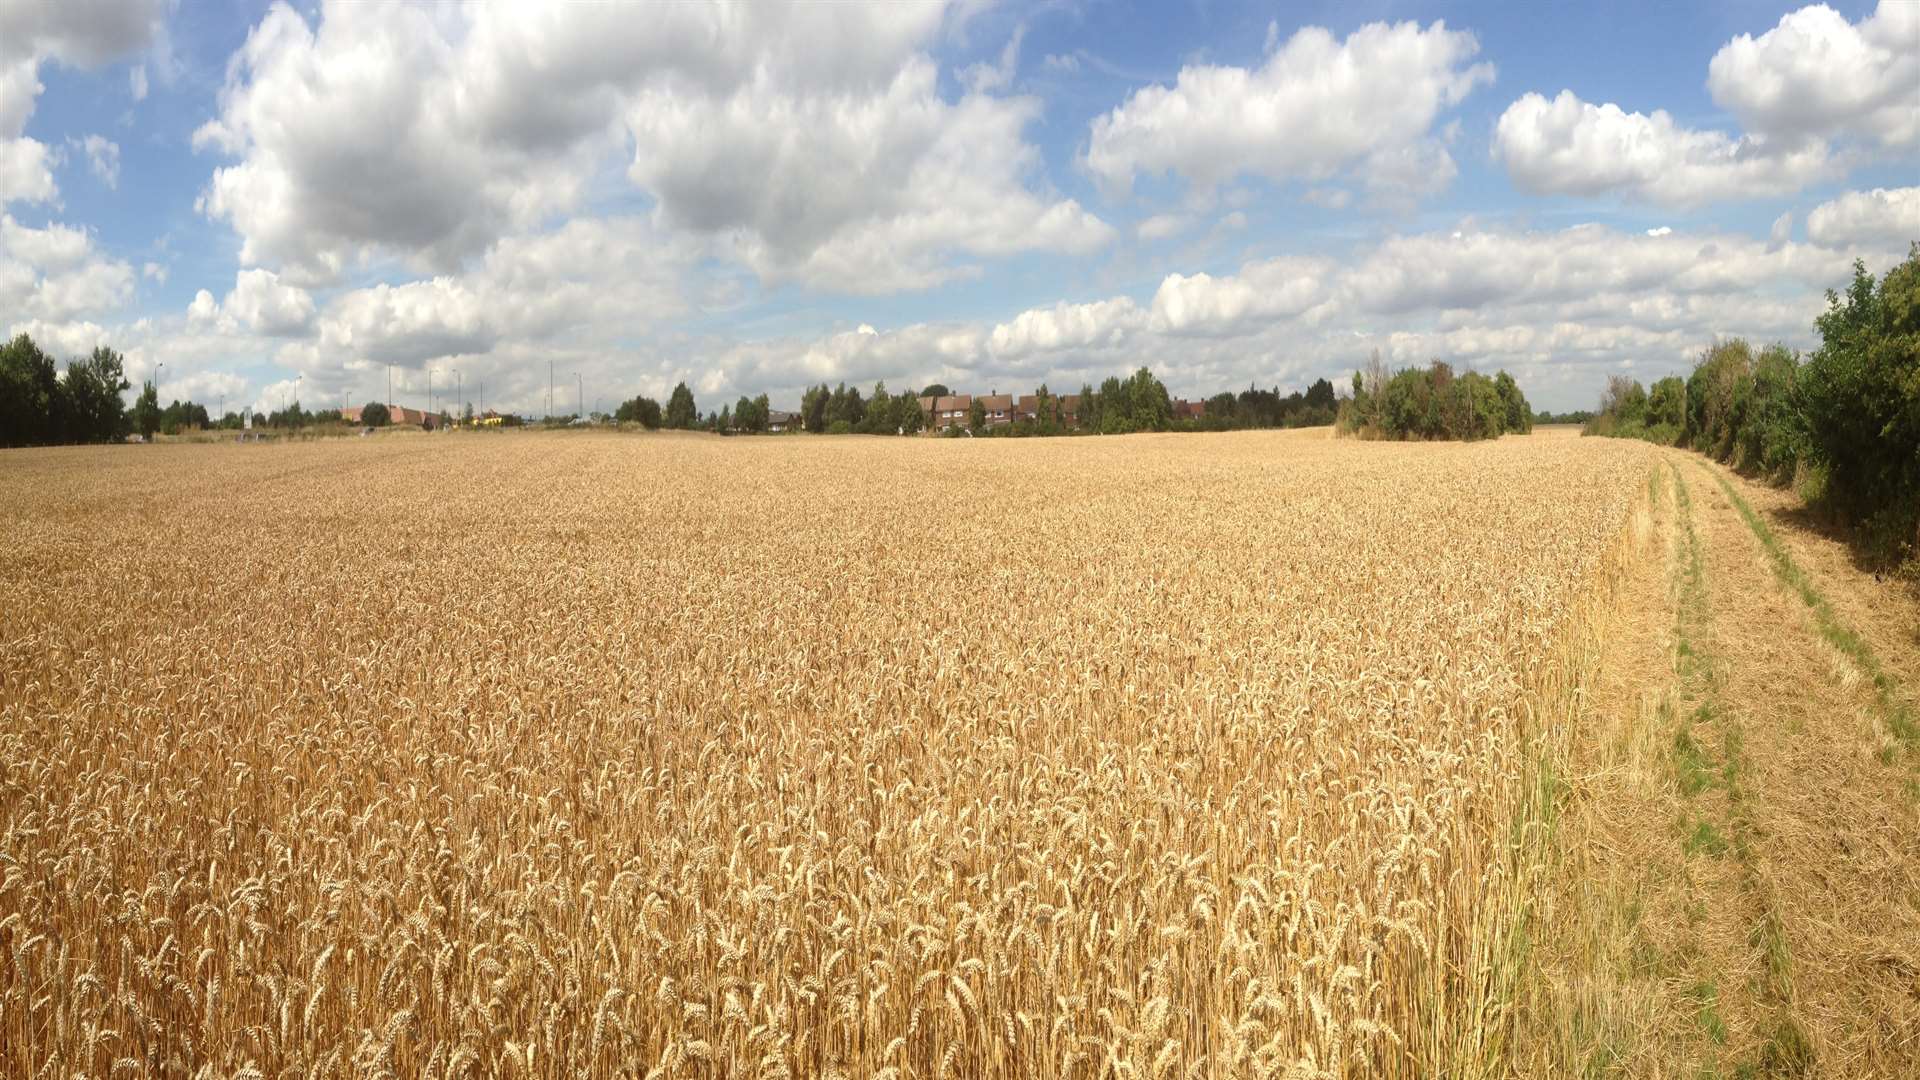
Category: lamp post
[157,369]
[430,374]
[581,408]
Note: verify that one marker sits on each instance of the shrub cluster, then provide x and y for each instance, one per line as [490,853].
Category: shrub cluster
[1845,419]
[1434,403]
[640,410]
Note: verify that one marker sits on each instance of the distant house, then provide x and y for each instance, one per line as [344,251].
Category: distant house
[1026,407]
[1189,410]
[1070,410]
[945,411]
[779,420]
[998,408]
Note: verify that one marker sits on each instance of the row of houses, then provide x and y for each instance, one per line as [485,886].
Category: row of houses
[956,411]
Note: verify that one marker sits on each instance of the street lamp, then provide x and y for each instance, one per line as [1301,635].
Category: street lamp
[580,409]
[430,374]
[157,369]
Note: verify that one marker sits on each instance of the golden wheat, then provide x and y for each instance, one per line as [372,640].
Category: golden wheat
[555,755]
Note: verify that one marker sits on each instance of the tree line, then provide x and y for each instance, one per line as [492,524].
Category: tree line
[39,406]
[1842,424]
[1119,405]
[1433,402]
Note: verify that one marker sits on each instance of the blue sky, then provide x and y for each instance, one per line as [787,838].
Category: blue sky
[276,200]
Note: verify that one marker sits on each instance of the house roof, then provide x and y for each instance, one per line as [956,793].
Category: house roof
[1029,403]
[996,402]
[950,402]
[1070,403]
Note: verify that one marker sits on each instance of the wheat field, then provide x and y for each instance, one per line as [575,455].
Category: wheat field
[623,755]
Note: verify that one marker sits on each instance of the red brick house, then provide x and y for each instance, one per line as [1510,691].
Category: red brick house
[945,411]
[998,408]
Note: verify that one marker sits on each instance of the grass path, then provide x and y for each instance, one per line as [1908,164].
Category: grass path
[1885,616]
[1855,656]
[1833,832]
[1742,890]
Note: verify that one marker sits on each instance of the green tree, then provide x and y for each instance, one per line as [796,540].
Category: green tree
[178,416]
[1517,415]
[146,411]
[31,398]
[681,413]
[1046,411]
[1770,439]
[912,420]
[846,406]
[813,408]
[1149,408]
[95,410]
[375,414]
[879,418]
[976,417]
[1321,396]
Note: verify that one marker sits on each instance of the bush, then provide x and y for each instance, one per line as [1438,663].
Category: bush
[1667,405]
[374,414]
[1770,440]
[840,427]
[1717,395]
[1859,397]
[640,410]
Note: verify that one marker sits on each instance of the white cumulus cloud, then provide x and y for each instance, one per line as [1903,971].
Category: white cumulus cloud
[1816,75]
[813,140]
[1567,146]
[1317,107]
[1884,218]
